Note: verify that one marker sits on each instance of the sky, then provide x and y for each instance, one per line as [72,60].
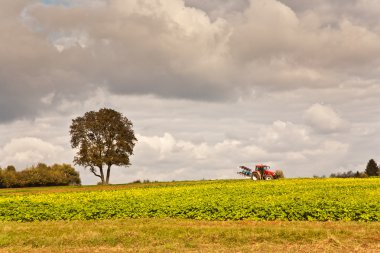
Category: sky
[208,85]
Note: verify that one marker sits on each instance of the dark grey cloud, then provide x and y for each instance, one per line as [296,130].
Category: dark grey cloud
[67,49]
[209,6]
[217,8]
[30,67]
[176,49]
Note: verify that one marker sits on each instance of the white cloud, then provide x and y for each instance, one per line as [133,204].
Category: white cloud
[28,151]
[66,41]
[48,99]
[324,119]
[162,146]
[284,136]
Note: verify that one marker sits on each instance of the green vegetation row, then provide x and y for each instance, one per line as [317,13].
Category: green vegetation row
[39,175]
[290,199]
[372,170]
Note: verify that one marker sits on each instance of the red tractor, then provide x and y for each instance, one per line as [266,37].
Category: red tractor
[261,172]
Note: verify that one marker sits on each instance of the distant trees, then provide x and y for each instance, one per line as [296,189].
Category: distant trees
[39,175]
[103,138]
[349,174]
[372,168]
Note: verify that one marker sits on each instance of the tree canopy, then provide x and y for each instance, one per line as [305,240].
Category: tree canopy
[39,175]
[372,168]
[103,138]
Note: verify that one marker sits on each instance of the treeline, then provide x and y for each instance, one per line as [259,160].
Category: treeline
[39,175]
[371,170]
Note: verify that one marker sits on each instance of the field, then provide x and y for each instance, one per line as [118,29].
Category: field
[291,200]
[177,235]
[293,215]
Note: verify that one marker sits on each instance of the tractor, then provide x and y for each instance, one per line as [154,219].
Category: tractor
[261,172]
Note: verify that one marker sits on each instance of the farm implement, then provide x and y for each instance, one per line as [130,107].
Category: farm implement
[261,172]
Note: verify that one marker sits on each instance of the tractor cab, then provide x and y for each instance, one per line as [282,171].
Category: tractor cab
[263,171]
[262,168]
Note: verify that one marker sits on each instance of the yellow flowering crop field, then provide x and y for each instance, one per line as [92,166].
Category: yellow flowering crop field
[286,199]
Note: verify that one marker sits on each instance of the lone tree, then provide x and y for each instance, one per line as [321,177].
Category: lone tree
[104,138]
[372,169]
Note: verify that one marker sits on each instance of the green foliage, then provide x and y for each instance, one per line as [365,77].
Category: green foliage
[279,174]
[40,175]
[11,168]
[372,168]
[104,138]
[349,174]
[290,199]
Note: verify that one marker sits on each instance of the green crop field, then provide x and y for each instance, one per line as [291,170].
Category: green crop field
[287,200]
[292,215]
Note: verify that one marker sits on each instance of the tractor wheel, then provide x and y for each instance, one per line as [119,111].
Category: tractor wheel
[255,176]
[268,177]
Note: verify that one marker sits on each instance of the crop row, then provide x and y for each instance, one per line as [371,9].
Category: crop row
[291,199]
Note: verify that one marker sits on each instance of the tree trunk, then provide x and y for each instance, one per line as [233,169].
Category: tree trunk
[108,174]
[101,174]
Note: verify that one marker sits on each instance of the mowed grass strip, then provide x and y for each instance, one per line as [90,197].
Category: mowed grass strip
[177,235]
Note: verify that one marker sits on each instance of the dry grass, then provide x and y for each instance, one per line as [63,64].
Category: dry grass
[173,235]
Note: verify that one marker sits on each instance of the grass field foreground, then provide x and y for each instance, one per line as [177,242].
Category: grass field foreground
[177,235]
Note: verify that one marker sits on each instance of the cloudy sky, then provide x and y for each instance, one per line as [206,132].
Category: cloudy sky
[208,85]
